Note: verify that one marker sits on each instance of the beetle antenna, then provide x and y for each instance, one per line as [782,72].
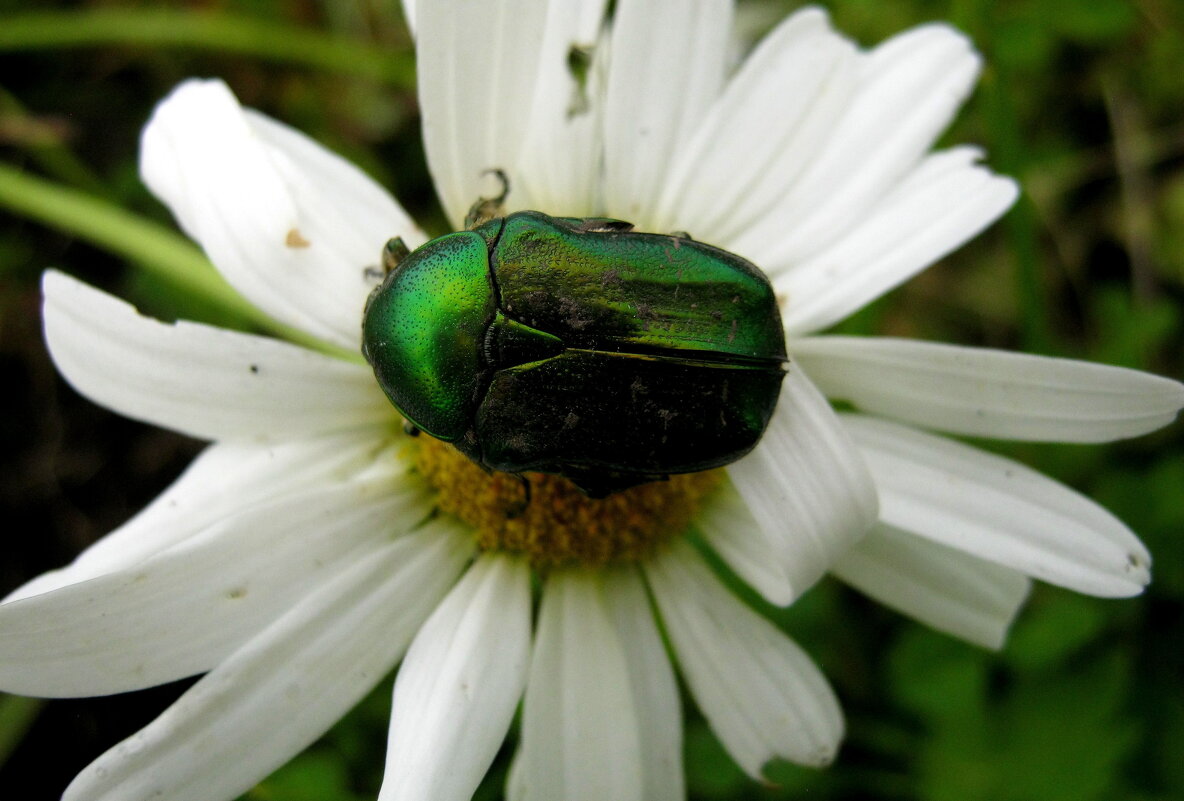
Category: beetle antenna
[505,182]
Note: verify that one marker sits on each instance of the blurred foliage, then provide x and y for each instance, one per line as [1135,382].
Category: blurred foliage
[1079,100]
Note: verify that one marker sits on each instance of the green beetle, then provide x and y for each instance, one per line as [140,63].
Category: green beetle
[578,347]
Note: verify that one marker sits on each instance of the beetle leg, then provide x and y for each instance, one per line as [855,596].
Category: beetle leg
[604,225]
[489,208]
[394,252]
[682,235]
[518,509]
[410,428]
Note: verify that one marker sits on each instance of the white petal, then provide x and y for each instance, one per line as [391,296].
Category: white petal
[185,609]
[942,587]
[945,202]
[999,510]
[654,691]
[458,688]
[478,64]
[762,132]
[409,15]
[207,382]
[989,393]
[579,719]
[515,780]
[659,87]
[806,485]
[290,225]
[907,92]
[653,688]
[227,478]
[562,159]
[352,209]
[283,689]
[729,528]
[762,695]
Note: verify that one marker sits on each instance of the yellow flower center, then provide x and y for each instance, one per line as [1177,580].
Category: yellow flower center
[558,524]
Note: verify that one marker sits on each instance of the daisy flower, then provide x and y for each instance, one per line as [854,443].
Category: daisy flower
[313,546]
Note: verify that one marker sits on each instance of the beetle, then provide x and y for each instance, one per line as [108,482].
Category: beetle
[578,347]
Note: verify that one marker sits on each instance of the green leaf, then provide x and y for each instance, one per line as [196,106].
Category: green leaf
[711,774]
[1064,738]
[312,776]
[1056,624]
[939,678]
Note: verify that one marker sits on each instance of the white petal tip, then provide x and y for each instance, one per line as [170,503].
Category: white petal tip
[814,14]
[821,755]
[51,280]
[1173,393]
[824,757]
[778,595]
[947,34]
[190,106]
[1136,576]
[193,96]
[1009,189]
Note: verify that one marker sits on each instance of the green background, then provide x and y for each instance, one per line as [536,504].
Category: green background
[1081,101]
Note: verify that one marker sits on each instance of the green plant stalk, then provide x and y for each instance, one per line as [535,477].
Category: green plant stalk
[207,30]
[17,714]
[1020,224]
[50,152]
[1010,157]
[155,248]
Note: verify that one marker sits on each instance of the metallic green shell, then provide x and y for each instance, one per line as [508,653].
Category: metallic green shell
[633,292]
[581,348]
[424,329]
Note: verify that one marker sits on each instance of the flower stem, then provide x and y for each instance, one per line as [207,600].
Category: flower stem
[208,30]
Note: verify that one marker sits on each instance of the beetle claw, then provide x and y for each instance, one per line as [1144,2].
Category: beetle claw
[489,208]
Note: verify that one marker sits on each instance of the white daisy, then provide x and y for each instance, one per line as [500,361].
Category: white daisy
[298,559]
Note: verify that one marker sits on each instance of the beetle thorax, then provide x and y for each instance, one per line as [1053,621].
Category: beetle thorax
[559,524]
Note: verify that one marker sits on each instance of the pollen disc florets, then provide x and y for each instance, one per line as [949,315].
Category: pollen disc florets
[560,525]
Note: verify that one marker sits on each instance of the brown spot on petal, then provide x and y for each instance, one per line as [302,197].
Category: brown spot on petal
[295,239]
